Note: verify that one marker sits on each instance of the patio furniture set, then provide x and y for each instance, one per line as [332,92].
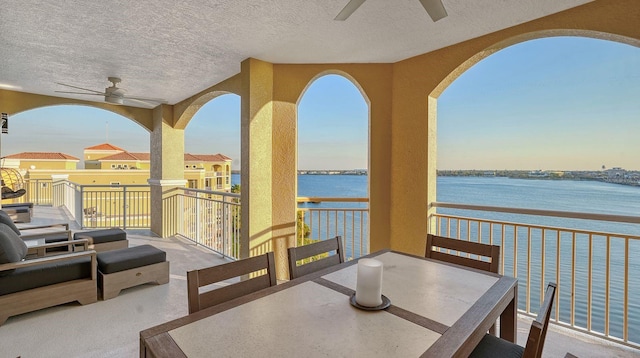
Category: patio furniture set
[311,308]
[55,267]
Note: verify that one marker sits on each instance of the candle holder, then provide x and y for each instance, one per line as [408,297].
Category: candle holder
[386,302]
[369,286]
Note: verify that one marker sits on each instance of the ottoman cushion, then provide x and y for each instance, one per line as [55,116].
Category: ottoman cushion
[132,257]
[101,236]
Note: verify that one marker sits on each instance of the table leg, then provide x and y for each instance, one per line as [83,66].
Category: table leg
[509,319]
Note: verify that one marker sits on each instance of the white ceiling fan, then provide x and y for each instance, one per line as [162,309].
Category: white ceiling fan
[115,95]
[434,8]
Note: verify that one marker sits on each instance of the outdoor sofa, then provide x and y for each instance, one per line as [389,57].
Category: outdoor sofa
[29,284]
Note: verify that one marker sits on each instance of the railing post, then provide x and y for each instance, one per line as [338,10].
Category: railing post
[78,206]
[226,234]
[124,207]
[197,219]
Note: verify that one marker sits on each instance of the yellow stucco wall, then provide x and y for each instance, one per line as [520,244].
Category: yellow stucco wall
[107,177]
[48,164]
[98,154]
[94,177]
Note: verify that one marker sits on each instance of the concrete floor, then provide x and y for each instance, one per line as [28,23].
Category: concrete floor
[111,328]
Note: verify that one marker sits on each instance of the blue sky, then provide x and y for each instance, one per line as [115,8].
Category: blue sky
[555,103]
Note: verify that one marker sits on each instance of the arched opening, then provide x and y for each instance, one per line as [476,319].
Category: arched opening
[539,125]
[215,130]
[83,144]
[332,162]
[70,129]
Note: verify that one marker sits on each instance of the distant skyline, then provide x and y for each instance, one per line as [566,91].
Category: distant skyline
[551,104]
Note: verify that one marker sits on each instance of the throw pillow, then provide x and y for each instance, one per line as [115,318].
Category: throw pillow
[5,219]
[12,247]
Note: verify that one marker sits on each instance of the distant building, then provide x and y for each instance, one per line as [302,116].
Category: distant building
[93,154]
[41,160]
[616,173]
[106,164]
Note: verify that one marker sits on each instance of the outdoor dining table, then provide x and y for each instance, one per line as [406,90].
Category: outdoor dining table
[437,310]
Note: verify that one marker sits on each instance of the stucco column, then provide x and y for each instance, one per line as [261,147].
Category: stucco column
[256,122]
[267,224]
[284,191]
[167,167]
[413,165]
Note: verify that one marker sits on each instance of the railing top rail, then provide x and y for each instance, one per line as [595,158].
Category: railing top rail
[204,191]
[102,185]
[114,186]
[538,212]
[314,199]
[539,227]
[335,209]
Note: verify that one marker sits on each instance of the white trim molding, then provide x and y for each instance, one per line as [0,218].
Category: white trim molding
[167,182]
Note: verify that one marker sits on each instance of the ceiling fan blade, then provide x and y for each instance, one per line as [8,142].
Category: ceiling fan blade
[351,6]
[134,101]
[83,93]
[435,9]
[80,88]
[146,99]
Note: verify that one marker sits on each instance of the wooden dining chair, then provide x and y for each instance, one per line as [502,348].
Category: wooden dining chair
[492,252]
[211,275]
[306,251]
[492,346]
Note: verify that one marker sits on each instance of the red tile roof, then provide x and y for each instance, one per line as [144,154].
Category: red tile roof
[147,157]
[42,156]
[104,146]
[205,157]
[128,156]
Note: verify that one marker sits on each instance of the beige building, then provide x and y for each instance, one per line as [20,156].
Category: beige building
[40,160]
[106,164]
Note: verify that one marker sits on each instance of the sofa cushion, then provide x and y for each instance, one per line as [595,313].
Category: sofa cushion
[12,247]
[31,277]
[6,219]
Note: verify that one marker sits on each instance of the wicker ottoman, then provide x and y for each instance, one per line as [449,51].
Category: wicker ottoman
[133,266]
[104,240]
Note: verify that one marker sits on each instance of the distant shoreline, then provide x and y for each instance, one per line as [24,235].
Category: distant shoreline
[614,176]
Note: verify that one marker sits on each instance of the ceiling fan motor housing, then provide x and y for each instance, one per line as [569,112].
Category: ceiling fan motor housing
[114,95]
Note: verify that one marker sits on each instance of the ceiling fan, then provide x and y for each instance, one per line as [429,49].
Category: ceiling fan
[115,95]
[434,8]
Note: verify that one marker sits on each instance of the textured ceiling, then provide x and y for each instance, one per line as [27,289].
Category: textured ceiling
[172,49]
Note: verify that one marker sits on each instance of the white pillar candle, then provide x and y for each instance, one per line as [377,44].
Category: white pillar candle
[369,283]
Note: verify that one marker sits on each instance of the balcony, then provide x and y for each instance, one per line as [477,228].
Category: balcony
[401,98]
[110,328]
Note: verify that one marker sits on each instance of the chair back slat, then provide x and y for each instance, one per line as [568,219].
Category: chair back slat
[226,293]
[303,252]
[317,265]
[462,261]
[538,331]
[233,269]
[215,274]
[467,247]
